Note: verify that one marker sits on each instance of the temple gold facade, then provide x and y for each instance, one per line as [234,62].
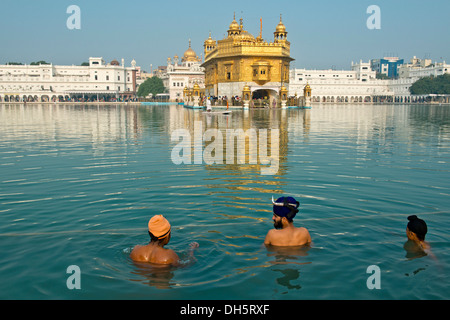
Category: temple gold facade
[241,60]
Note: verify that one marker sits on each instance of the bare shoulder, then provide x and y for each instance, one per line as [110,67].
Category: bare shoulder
[165,256]
[138,253]
[303,233]
[172,255]
[269,236]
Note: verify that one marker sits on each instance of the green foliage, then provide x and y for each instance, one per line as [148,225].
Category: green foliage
[85,64]
[432,85]
[382,76]
[15,63]
[153,85]
[38,63]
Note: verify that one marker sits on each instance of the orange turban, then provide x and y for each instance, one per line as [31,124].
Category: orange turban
[159,226]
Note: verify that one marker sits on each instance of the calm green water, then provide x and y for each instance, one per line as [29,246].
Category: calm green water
[79,183]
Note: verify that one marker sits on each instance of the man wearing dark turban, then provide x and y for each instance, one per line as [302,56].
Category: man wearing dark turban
[285,233]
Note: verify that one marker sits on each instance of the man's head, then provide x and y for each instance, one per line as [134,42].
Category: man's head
[416,228]
[159,228]
[284,207]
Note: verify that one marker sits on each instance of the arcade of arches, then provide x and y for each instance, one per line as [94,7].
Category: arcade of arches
[382,99]
[78,97]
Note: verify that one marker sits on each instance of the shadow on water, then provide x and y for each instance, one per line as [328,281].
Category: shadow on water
[158,276]
[288,261]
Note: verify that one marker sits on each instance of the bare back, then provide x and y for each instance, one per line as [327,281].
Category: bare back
[154,254]
[288,237]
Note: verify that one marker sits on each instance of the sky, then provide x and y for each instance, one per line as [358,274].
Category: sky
[323,34]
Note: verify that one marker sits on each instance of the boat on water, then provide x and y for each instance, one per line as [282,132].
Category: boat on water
[217,112]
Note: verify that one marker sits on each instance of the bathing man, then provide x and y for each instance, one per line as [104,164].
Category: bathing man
[285,233]
[416,231]
[154,252]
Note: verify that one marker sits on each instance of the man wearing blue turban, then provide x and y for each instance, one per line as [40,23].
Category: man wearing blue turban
[285,233]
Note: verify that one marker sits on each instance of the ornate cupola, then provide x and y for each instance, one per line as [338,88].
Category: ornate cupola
[234,28]
[280,33]
[190,55]
[209,45]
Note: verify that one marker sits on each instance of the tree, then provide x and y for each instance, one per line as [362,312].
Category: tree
[38,63]
[432,85]
[382,76]
[85,64]
[15,63]
[153,85]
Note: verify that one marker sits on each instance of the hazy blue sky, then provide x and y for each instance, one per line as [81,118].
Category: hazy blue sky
[323,34]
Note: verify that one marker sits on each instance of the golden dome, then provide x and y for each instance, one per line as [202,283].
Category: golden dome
[234,26]
[115,63]
[280,27]
[189,54]
[245,35]
[209,40]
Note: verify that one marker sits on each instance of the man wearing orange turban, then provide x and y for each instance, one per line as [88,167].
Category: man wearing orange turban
[159,230]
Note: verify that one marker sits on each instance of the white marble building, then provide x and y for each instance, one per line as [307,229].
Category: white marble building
[41,83]
[356,85]
[360,84]
[185,74]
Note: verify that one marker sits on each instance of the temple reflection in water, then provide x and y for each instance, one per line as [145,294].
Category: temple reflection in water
[127,125]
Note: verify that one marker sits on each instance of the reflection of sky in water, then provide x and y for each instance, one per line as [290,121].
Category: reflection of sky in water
[79,183]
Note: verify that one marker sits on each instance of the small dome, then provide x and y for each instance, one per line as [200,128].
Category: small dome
[245,35]
[189,54]
[280,27]
[209,41]
[234,26]
[115,63]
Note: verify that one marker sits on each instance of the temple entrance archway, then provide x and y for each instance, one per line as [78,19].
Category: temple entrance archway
[266,97]
[260,94]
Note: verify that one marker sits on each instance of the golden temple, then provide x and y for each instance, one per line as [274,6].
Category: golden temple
[241,60]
